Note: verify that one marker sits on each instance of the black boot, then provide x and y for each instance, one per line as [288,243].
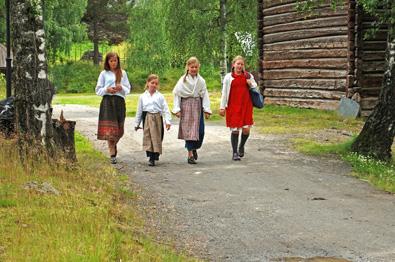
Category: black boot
[242,143]
[234,139]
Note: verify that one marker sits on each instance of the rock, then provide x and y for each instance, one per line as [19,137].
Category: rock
[348,108]
[45,188]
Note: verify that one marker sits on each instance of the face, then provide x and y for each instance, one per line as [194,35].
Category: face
[193,69]
[238,66]
[113,62]
[152,85]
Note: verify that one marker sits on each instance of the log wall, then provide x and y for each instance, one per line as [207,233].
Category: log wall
[308,60]
[370,60]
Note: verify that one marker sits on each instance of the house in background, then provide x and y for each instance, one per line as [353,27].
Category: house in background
[312,60]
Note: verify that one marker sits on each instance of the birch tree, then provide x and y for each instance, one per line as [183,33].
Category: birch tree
[33,94]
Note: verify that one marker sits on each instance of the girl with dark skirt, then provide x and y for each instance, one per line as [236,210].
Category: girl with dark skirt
[113,85]
[191,105]
[237,105]
[153,111]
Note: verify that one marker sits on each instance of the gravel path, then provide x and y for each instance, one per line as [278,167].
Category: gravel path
[275,203]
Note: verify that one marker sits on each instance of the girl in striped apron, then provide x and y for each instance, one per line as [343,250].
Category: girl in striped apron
[191,105]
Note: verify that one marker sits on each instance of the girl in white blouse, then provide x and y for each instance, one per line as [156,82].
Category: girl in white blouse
[153,111]
[113,85]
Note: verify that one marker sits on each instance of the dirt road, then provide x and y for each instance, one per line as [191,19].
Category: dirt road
[274,203]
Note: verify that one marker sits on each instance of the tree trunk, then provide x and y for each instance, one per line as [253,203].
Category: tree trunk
[224,47]
[260,43]
[377,135]
[95,45]
[33,94]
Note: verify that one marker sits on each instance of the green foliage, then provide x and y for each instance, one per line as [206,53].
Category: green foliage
[2,86]
[80,77]
[2,21]
[149,44]
[62,25]
[106,20]
[166,33]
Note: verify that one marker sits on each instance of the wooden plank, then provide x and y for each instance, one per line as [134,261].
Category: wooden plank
[274,3]
[373,67]
[304,34]
[307,24]
[316,43]
[371,80]
[373,56]
[304,103]
[298,16]
[328,84]
[303,73]
[339,63]
[369,102]
[374,45]
[306,54]
[303,93]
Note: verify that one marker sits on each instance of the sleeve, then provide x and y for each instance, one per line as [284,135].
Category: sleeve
[139,111]
[126,86]
[177,100]
[224,96]
[206,100]
[253,82]
[165,111]
[100,88]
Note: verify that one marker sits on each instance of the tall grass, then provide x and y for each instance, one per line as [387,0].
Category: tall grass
[89,221]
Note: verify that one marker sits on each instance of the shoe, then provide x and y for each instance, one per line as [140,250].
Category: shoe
[151,162]
[195,155]
[236,157]
[241,152]
[113,160]
[191,160]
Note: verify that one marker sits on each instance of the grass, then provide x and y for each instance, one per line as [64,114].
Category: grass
[377,173]
[90,220]
[2,86]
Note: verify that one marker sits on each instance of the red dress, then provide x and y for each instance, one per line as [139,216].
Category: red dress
[239,110]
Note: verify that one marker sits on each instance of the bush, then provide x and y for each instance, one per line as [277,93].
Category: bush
[74,77]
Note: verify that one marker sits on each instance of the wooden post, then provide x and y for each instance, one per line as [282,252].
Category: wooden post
[260,34]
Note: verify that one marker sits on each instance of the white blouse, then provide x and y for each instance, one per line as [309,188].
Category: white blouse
[107,79]
[155,103]
[197,92]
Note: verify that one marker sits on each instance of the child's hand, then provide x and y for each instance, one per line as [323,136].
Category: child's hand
[178,114]
[206,115]
[168,127]
[222,112]
[249,82]
[118,88]
[111,90]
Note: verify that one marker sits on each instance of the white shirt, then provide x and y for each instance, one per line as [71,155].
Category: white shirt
[197,92]
[155,103]
[107,79]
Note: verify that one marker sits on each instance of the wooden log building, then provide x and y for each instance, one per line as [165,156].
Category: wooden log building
[312,60]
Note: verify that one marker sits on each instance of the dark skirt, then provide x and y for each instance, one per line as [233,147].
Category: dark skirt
[111,118]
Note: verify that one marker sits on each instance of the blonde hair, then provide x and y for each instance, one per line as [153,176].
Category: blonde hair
[238,57]
[150,78]
[192,60]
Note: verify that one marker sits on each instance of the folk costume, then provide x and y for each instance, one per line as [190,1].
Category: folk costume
[153,111]
[112,107]
[192,100]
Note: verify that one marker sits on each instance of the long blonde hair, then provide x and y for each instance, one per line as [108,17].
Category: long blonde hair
[238,57]
[192,60]
[150,78]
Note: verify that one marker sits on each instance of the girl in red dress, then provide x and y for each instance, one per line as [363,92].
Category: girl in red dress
[237,106]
